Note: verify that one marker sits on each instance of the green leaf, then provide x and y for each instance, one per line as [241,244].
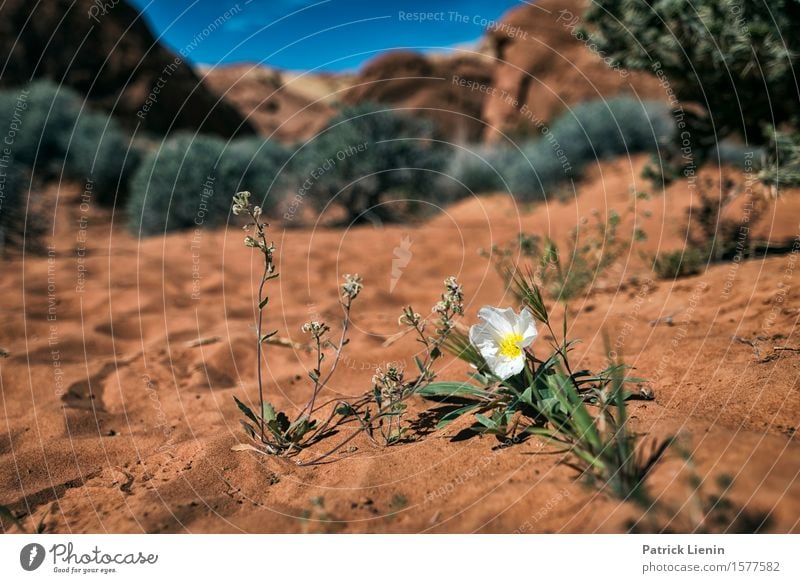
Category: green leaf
[451,389]
[249,429]
[584,429]
[345,410]
[453,415]
[246,410]
[526,289]
[476,376]
[485,421]
[301,422]
[458,344]
[420,366]
[275,428]
[263,303]
[268,411]
[633,380]
[299,428]
[527,397]
[268,335]
[548,434]
[549,406]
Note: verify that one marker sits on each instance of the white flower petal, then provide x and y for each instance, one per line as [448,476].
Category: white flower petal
[483,334]
[500,320]
[504,368]
[526,327]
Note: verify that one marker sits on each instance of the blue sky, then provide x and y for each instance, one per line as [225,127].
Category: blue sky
[333,35]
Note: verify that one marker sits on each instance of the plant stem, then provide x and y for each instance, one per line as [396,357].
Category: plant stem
[319,383]
[340,346]
[258,350]
[317,373]
[259,327]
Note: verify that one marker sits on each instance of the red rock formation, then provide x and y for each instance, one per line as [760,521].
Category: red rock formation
[287,108]
[429,86]
[530,66]
[543,65]
[107,53]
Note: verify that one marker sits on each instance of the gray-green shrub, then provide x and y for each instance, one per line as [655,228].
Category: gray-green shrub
[12,213]
[38,117]
[680,263]
[56,136]
[101,153]
[366,154]
[589,132]
[188,181]
[256,164]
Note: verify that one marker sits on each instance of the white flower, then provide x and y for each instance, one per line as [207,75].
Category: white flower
[502,338]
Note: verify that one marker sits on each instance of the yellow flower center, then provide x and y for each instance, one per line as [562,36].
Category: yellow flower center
[509,345]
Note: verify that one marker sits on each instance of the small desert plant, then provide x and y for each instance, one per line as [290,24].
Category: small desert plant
[274,432]
[593,249]
[368,153]
[710,237]
[680,263]
[181,185]
[390,390]
[273,429]
[518,395]
[601,129]
[43,115]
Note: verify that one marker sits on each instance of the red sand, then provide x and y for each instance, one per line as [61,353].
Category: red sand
[128,427]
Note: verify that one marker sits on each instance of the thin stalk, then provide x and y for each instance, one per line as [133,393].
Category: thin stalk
[258,352]
[259,327]
[320,382]
[340,346]
[317,374]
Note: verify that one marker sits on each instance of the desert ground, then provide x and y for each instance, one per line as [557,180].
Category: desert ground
[120,359]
